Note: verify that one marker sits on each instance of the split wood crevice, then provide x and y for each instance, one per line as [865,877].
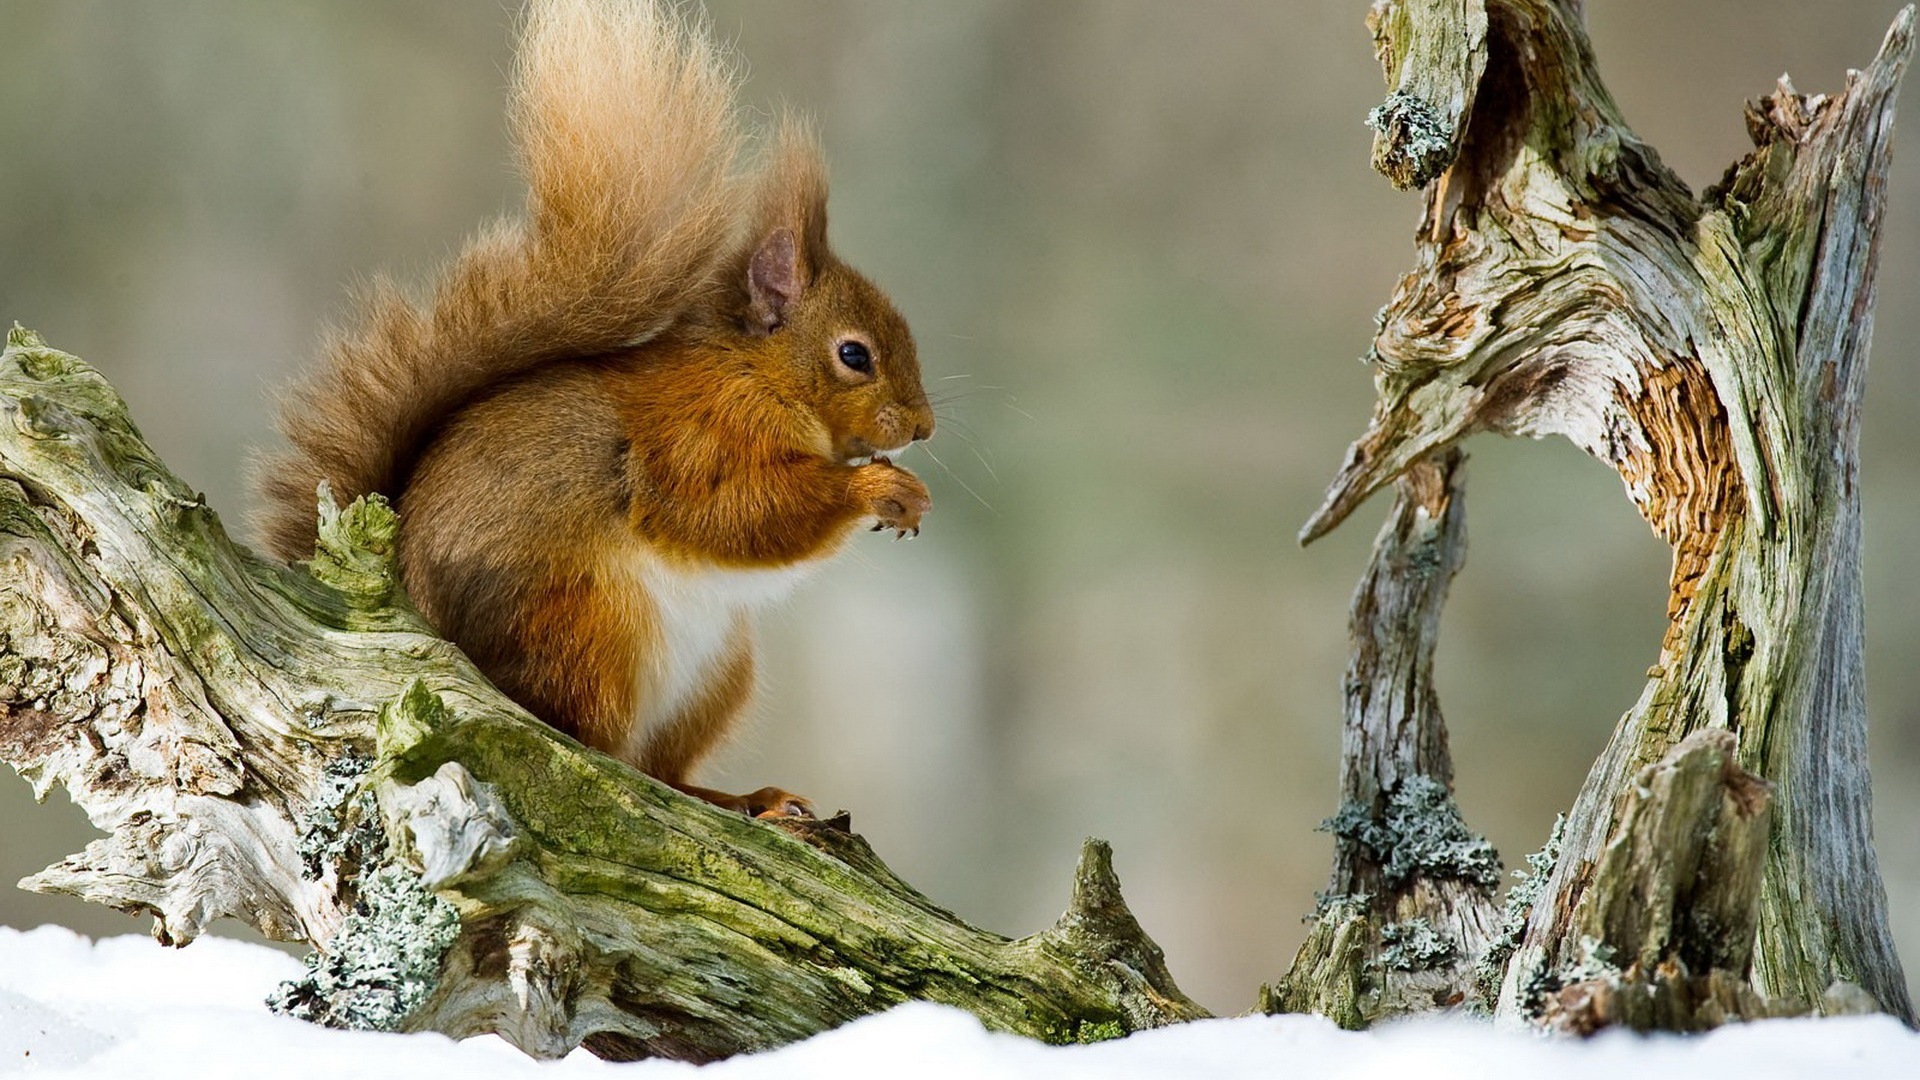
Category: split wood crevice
[294,748]
[1718,862]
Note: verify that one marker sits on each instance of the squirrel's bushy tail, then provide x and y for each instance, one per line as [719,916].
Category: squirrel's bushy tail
[624,116]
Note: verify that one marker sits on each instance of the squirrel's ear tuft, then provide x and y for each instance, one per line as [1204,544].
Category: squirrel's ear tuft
[792,223]
[775,279]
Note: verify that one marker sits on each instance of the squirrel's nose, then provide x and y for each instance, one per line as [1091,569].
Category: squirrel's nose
[923,430]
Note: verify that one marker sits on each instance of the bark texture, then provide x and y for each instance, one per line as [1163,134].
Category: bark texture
[1409,910]
[1712,350]
[295,749]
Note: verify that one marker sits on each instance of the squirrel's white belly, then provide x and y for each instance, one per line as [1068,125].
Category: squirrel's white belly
[698,614]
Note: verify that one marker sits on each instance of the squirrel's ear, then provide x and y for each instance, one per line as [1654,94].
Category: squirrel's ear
[776,276]
[793,222]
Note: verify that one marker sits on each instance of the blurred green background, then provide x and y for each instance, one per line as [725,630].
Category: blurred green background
[1141,245]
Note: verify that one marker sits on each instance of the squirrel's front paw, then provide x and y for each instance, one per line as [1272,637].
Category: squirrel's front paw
[895,497]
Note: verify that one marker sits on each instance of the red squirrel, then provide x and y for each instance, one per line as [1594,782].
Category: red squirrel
[626,421]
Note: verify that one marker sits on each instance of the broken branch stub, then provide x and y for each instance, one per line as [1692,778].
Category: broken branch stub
[1664,936]
[1711,351]
[294,748]
[1432,53]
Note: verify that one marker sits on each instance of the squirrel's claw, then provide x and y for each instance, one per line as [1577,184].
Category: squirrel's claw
[771,802]
[790,808]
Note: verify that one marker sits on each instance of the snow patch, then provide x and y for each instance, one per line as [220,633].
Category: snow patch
[128,1007]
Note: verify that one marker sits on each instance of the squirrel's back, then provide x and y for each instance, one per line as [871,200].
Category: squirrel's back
[624,118]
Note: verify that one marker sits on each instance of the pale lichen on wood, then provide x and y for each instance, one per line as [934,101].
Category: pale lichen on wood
[1528,884]
[1433,53]
[1419,833]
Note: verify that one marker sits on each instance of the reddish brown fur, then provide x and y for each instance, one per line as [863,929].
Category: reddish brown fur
[644,371]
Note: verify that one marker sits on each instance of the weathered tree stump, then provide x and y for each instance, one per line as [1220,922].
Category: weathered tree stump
[1712,350]
[294,748]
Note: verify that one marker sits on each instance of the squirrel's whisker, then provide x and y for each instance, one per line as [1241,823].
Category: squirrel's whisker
[968,488]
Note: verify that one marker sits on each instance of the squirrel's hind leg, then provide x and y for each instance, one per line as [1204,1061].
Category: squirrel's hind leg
[768,802]
[573,663]
[672,750]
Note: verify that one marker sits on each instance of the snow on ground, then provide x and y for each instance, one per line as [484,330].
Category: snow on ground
[126,1007]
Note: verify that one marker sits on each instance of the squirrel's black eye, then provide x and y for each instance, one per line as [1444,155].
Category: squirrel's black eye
[856,357]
